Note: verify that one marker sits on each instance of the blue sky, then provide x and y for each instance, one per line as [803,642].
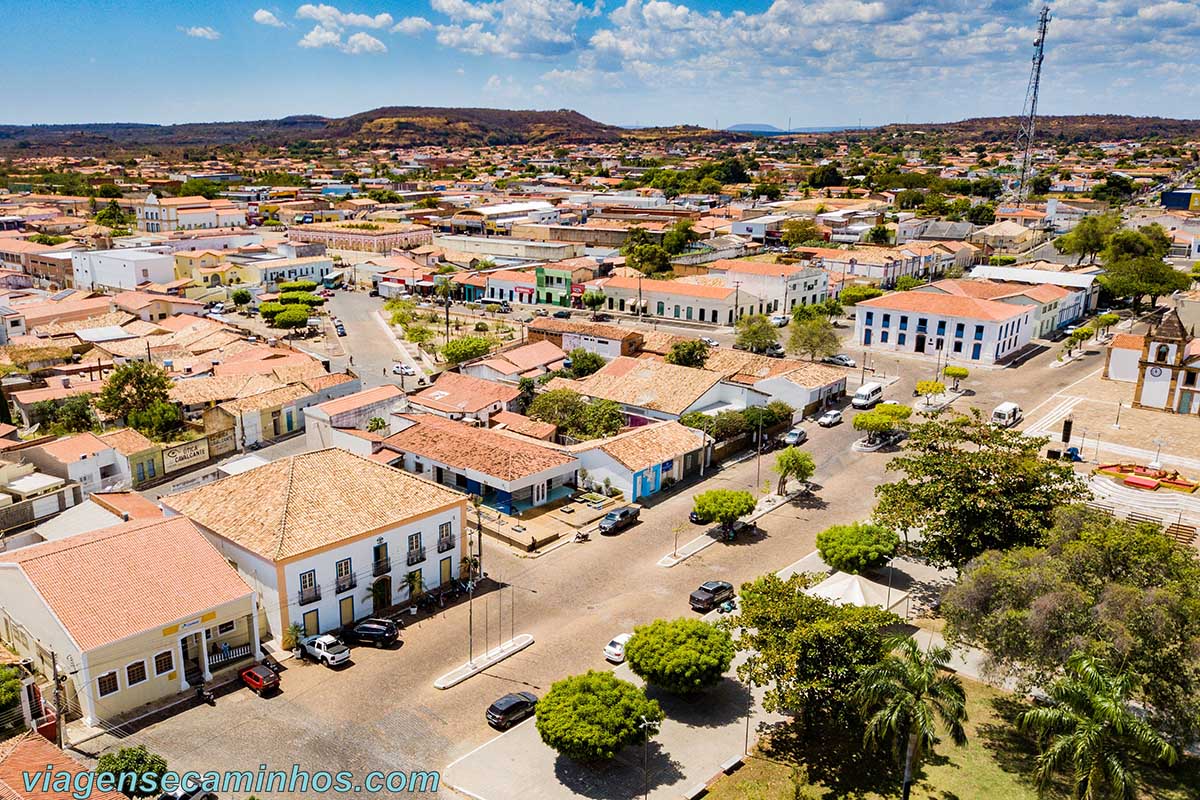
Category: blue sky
[710,62]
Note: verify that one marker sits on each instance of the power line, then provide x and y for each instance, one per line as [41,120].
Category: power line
[1028,127]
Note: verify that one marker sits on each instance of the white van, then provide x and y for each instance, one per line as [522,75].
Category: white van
[867,395]
[1006,415]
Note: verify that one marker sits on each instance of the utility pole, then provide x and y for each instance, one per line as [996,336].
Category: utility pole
[737,298]
[58,715]
[784,277]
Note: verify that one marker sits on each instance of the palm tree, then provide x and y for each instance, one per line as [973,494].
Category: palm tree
[1091,727]
[905,695]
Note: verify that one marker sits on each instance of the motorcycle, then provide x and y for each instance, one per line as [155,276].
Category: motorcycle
[728,607]
[205,695]
[582,536]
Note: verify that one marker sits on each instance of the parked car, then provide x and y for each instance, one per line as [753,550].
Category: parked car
[260,679]
[193,790]
[511,709]
[373,293]
[541,312]
[697,518]
[830,418]
[562,313]
[326,649]
[774,350]
[796,436]
[710,595]
[619,519]
[403,369]
[841,360]
[780,320]
[505,308]
[711,342]
[340,331]
[614,651]
[377,632]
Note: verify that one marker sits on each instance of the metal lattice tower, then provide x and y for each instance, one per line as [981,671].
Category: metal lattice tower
[1029,113]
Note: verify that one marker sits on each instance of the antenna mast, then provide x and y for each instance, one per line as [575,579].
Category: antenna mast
[1029,114]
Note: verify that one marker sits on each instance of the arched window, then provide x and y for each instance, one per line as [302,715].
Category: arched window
[1163,353]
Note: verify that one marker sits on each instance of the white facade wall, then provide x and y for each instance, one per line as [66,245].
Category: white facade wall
[606,348]
[975,342]
[1123,365]
[122,269]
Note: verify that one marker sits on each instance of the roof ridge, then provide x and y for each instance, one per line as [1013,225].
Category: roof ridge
[287,501]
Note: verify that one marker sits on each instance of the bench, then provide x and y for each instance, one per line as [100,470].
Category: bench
[731,764]
[699,790]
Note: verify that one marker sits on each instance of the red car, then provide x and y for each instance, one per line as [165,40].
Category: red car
[260,678]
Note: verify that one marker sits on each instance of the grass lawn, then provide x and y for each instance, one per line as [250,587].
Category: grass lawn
[996,763]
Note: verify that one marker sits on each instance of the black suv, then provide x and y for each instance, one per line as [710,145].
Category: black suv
[511,709]
[619,519]
[379,632]
[710,595]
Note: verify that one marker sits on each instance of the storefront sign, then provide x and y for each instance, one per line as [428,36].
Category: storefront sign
[185,455]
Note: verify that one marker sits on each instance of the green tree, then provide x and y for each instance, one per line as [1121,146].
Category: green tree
[241,297]
[969,487]
[466,348]
[957,373]
[831,307]
[109,190]
[723,505]
[755,332]
[1113,589]
[853,295]
[792,462]
[815,337]
[857,547]
[376,424]
[905,696]
[158,421]
[880,420]
[801,231]
[600,418]
[981,214]
[111,216]
[683,656]
[688,353]
[199,187]
[880,235]
[928,389]
[1134,266]
[418,334]
[825,175]
[1077,337]
[584,362]
[649,259]
[1091,728]
[771,191]
[1114,190]
[591,717]
[139,761]
[807,652]
[681,234]
[906,283]
[298,286]
[10,688]
[561,407]
[75,414]
[133,386]
[301,298]
[269,309]
[528,390]
[291,317]
[1105,321]
[1089,237]
[593,301]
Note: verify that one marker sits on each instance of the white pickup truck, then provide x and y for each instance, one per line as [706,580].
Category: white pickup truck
[325,649]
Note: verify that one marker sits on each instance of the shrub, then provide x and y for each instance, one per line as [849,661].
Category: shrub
[466,348]
[269,309]
[137,761]
[306,298]
[298,286]
[682,656]
[291,317]
[481,327]
[858,547]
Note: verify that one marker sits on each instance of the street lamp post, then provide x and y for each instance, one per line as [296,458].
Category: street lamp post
[646,726]
[749,701]
[783,276]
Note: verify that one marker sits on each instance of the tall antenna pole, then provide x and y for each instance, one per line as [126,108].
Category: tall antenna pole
[1029,114]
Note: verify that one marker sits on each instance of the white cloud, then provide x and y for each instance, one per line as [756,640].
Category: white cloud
[321,36]
[360,43]
[413,26]
[202,32]
[494,83]
[333,18]
[512,28]
[264,17]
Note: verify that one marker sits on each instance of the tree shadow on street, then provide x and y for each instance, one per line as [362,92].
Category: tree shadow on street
[621,778]
[714,708]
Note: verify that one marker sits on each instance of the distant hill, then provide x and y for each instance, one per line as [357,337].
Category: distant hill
[1065,129]
[754,127]
[394,126]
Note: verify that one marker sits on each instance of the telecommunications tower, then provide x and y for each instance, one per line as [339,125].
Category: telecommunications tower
[1029,114]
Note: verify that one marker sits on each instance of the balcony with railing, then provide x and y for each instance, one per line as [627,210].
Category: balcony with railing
[445,543]
[346,582]
[381,566]
[310,595]
[416,555]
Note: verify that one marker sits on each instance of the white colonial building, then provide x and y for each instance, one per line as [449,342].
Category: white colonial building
[1164,365]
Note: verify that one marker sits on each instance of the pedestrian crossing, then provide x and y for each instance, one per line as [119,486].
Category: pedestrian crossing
[1049,424]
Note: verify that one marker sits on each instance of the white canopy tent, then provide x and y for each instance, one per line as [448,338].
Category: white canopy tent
[845,589]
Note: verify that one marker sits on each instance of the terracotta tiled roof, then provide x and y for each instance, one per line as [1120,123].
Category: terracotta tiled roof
[70,449]
[268,399]
[653,444]
[454,392]
[657,287]
[946,306]
[519,423]
[1127,341]
[305,502]
[584,327]
[462,446]
[28,754]
[366,397]
[649,384]
[127,441]
[131,503]
[115,582]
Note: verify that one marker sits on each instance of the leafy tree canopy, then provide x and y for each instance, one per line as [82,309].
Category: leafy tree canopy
[969,486]
[853,295]
[792,462]
[584,362]
[591,717]
[724,505]
[138,761]
[689,353]
[683,656]
[134,386]
[457,351]
[815,338]
[857,547]
[755,332]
